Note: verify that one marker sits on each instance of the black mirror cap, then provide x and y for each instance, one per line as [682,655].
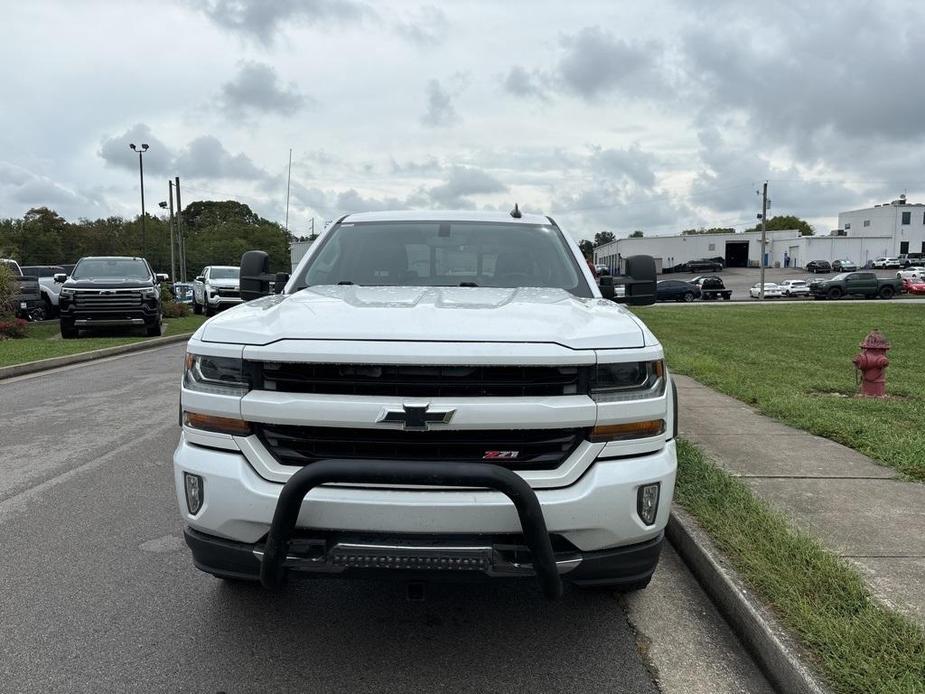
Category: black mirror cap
[60,277]
[280,282]
[640,285]
[201,278]
[254,275]
[162,277]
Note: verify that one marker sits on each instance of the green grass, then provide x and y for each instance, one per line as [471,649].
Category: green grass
[859,645]
[793,363]
[43,340]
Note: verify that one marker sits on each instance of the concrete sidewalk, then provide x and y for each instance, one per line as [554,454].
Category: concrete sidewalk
[855,507]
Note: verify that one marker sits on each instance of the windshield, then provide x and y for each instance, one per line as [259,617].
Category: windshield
[224,273]
[840,277]
[111,268]
[445,254]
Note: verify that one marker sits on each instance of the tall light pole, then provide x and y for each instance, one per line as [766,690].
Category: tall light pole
[141,174]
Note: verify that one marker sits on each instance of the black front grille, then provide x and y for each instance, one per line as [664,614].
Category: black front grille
[536,449]
[115,299]
[228,292]
[422,381]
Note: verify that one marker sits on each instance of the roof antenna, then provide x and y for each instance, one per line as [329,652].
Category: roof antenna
[515,213]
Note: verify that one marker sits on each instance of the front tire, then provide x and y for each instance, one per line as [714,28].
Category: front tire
[887,292]
[68,331]
[154,329]
[197,309]
[210,311]
[835,293]
[688,297]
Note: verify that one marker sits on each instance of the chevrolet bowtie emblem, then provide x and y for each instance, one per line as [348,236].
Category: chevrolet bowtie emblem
[416,417]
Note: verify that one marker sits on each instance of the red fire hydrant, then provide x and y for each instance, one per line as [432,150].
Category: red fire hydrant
[872,363]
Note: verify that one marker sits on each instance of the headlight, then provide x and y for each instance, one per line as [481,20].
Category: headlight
[67,292]
[631,380]
[150,292]
[217,375]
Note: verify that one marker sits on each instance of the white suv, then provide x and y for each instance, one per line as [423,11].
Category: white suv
[216,287]
[431,393]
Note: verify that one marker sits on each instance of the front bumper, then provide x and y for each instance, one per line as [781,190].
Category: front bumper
[595,512]
[217,301]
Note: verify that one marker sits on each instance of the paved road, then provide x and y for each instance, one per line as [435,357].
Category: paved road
[97,591]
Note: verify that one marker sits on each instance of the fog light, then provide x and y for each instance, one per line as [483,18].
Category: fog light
[647,502]
[193,484]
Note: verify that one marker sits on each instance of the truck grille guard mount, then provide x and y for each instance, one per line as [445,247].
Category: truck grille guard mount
[275,551]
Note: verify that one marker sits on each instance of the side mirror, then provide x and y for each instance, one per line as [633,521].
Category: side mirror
[255,275]
[605,282]
[60,277]
[280,282]
[162,277]
[200,278]
[639,282]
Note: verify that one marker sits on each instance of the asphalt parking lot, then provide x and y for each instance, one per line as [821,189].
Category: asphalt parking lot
[739,279]
[99,593]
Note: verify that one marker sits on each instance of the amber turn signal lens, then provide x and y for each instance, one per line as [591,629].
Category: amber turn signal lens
[629,430]
[219,425]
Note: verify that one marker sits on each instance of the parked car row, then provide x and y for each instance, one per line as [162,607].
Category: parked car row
[706,287]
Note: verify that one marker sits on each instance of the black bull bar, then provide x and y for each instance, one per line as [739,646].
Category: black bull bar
[443,474]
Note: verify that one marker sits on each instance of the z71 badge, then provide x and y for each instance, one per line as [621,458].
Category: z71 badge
[497,455]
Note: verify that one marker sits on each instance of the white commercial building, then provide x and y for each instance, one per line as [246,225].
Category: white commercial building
[891,229]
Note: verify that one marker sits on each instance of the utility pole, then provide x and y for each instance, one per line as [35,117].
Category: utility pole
[173,266]
[764,233]
[141,174]
[288,183]
[181,243]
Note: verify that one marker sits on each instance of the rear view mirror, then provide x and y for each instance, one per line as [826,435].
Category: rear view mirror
[60,277]
[605,282]
[280,282]
[640,281]
[255,275]
[162,277]
[200,278]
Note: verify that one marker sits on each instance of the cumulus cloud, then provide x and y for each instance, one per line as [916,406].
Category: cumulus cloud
[426,27]
[256,88]
[595,62]
[206,157]
[631,164]
[521,82]
[462,182]
[440,111]
[23,189]
[115,150]
[263,20]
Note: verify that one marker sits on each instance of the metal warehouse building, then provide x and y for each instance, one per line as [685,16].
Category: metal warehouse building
[890,229]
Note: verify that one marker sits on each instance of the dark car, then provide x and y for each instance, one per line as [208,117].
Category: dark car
[703,265]
[676,290]
[110,291]
[818,266]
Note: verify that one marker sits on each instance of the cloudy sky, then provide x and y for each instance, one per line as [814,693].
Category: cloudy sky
[657,116]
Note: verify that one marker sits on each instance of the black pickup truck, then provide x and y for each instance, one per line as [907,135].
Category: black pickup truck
[865,284]
[27,302]
[712,287]
[110,291]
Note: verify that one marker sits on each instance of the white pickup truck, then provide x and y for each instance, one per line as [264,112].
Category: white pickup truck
[215,288]
[432,394]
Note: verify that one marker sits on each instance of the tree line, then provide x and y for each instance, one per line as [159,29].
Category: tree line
[215,233]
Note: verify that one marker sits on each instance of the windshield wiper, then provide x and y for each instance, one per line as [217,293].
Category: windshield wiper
[468,284]
[344,283]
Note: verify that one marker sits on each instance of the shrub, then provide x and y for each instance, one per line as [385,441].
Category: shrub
[172,309]
[12,328]
[8,288]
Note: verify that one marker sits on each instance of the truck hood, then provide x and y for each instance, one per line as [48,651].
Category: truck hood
[107,283]
[443,314]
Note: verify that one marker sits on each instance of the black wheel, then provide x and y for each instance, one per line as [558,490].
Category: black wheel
[68,331]
[197,309]
[49,309]
[154,329]
[887,292]
[835,293]
[210,311]
[688,297]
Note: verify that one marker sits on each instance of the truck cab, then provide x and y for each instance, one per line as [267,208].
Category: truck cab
[431,395]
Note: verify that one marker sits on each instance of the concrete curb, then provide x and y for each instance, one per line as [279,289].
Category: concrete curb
[55,362]
[773,649]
